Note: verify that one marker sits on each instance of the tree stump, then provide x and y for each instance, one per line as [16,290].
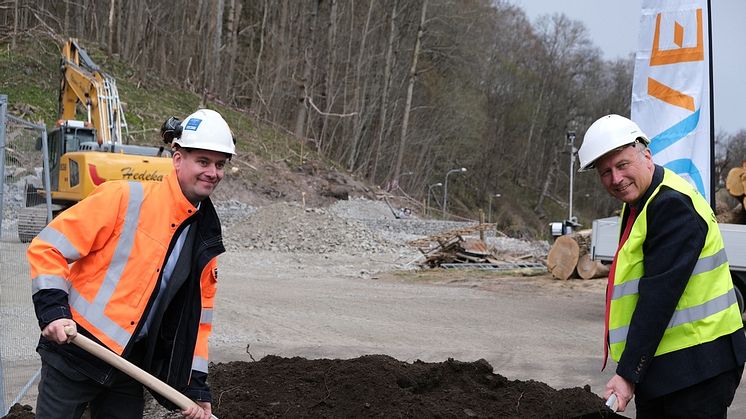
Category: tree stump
[734,183]
[589,269]
[563,257]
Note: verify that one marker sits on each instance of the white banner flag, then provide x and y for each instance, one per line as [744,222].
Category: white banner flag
[671,87]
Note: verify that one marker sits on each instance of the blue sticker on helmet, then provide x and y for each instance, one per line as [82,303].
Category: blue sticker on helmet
[192,124]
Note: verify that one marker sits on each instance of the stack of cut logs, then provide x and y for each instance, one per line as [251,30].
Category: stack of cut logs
[735,183]
[570,257]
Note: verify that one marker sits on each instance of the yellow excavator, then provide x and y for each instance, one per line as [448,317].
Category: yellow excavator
[85,152]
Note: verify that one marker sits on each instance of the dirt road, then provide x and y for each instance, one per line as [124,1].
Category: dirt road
[334,308]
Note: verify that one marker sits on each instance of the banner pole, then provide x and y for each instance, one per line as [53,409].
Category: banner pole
[713,180]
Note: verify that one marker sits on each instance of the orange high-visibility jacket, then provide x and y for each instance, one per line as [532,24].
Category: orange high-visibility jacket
[116,242]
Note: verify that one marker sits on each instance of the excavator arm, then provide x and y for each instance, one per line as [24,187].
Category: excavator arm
[83,82]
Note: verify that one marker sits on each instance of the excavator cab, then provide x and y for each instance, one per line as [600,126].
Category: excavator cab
[67,137]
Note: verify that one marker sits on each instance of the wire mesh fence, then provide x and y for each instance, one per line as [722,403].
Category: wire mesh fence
[21,165]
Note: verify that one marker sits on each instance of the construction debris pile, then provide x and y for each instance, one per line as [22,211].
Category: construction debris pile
[451,250]
[457,250]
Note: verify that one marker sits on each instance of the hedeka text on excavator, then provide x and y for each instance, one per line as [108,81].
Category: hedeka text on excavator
[85,152]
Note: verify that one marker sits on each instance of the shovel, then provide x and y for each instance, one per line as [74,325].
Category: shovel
[132,370]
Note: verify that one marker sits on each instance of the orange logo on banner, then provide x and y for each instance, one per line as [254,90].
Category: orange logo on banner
[659,90]
[678,55]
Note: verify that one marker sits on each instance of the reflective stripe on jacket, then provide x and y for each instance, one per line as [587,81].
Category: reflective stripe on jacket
[116,241]
[706,310]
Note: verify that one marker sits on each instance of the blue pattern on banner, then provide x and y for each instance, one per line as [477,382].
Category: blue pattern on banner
[192,124]
[687,166]
[670,136]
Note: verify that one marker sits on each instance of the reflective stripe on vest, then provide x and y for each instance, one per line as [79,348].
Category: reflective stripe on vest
[93,311]
[708,303]
[687,315]
[206,316]
[49,282]
[703,265]
[199,364]
[68,251]
[58,240]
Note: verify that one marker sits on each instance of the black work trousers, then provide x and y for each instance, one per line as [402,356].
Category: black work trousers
[64,393]
[709,399]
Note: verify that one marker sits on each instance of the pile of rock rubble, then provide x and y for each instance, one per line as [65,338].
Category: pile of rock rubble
[354,227]
[288,227]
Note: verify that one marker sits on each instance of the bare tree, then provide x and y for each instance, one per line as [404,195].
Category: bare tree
[214,64]
[359,93]
[410,89]
[385,90]
[112,27]
[330,80]
[304,84]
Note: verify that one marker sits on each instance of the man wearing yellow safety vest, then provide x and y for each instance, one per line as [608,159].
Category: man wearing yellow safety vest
[134,267]
[673,323]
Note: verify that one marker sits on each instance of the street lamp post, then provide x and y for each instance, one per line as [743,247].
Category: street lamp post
[429,191]
[571,221]
[445,189]
[489,217]
[571,144]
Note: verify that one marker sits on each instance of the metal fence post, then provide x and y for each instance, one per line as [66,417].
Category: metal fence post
[3,109]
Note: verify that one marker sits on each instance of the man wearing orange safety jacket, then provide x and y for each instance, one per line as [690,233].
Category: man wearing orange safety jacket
[134,267]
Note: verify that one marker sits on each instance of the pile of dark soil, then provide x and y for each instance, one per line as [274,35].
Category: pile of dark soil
[378,386]
[18,411]
[381,386]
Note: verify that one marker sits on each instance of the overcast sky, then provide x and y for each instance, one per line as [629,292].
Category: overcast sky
[614,27]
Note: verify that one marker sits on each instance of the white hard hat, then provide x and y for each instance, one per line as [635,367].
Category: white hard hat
[606,134]
[207,130]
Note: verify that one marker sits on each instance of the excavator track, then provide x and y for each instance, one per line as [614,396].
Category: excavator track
[31,221]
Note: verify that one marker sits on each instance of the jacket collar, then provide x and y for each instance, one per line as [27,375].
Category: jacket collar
[180,201]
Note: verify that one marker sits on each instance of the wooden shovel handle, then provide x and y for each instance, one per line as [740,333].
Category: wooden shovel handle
[131,369]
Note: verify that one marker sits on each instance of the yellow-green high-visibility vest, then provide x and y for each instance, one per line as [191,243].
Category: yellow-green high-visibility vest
[707,310]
